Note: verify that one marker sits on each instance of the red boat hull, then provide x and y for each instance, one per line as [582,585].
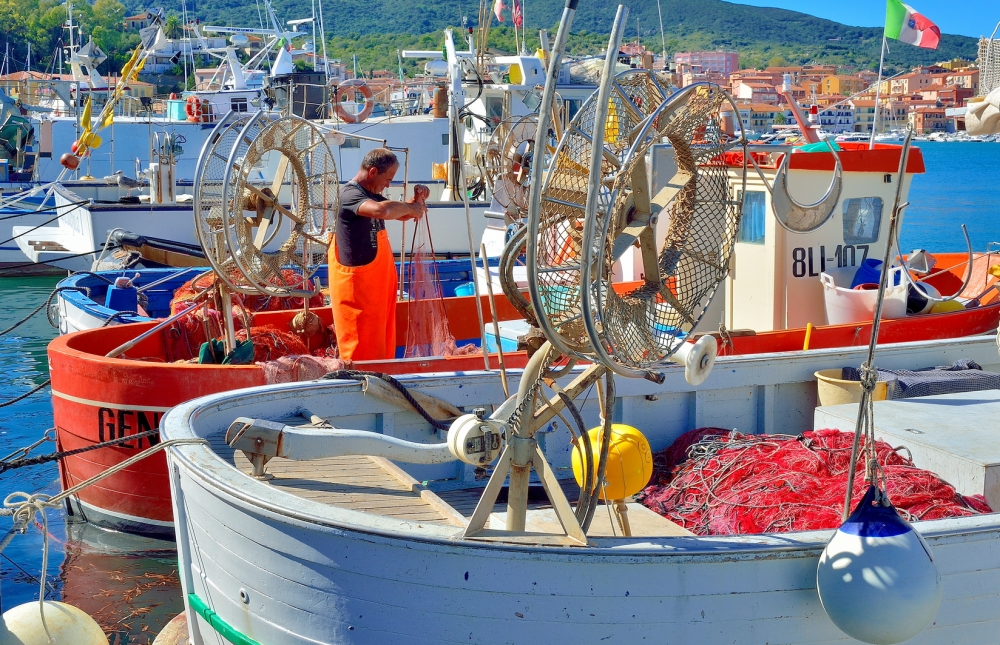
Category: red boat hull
[97,398]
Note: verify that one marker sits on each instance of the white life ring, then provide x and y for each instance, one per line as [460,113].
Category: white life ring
[351,87]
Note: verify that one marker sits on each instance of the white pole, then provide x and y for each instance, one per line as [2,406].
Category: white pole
[878,94]
[322,35]
[663,38]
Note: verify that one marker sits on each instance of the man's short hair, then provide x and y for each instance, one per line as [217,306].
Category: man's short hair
[382,159]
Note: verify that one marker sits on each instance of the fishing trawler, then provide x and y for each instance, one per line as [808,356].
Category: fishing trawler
[342,511]
[771,268]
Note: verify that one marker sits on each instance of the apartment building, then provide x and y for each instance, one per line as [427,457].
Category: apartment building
[928,119]
[841,85]
[720,62]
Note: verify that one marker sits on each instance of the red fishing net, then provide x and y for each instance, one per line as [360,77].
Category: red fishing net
[427,330]
[191,288]
[716,482]
[289,369]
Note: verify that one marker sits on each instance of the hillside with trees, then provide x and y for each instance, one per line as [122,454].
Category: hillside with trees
[374,30]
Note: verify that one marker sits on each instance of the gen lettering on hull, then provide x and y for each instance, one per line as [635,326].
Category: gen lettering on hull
[118,424]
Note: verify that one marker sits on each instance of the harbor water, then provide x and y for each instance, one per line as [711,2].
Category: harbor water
[130,585]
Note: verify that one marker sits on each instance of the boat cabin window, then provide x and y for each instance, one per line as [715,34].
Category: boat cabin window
[862,217]
[351,142]
[494,108]
[238,104]
[752,222]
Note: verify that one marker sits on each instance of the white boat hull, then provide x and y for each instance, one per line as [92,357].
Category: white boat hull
[77,236]
[316,573]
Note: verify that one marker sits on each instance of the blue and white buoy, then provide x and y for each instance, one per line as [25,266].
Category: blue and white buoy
[876,578]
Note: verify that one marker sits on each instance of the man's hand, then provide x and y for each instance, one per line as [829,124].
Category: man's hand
[418,202]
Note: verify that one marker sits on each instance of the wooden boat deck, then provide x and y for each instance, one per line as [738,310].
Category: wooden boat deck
[376,485]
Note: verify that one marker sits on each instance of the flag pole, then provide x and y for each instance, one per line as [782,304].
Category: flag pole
[878,93]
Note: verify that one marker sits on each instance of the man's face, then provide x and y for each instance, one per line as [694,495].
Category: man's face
[382,180]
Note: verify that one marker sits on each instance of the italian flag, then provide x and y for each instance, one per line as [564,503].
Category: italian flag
[903,23]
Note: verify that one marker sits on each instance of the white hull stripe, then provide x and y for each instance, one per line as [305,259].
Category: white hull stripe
[113,406]
[122,516]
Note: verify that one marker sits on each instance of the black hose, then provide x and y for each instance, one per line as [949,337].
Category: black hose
[359,375]
[586,491]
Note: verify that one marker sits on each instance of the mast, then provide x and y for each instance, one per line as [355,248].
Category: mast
[322,34]
[663,38]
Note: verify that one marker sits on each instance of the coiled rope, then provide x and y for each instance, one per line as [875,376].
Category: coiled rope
[23,507]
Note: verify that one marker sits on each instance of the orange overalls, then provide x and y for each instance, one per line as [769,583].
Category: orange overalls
[363,300]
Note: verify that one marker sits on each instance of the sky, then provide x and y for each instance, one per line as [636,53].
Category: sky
[965,17]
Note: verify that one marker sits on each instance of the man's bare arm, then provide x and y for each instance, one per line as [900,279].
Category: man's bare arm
[413,208]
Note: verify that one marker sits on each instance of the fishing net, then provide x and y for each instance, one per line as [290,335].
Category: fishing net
[427,330]
[716,482]
[989,65]
[290,369]
[192,288]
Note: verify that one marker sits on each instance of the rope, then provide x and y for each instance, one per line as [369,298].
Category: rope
[23,452]
[26,394]
[33,264]
[43,459]
[47,303]
[42,210]
[35,228]
[107,321]
[360,375]
[23,508]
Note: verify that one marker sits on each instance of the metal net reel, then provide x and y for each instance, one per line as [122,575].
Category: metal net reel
[305,175]
[636,331]
[209,204]
[492,162]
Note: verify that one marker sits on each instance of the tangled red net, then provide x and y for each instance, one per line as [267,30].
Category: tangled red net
[716,482]
[427,330]
[289,278]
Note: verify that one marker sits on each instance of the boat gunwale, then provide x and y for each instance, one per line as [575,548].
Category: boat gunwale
[258,495]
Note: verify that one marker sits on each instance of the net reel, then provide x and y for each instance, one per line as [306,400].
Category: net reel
[299,153]
[570,279]
[240,220]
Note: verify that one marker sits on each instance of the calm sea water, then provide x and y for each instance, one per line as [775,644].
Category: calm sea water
[130,584]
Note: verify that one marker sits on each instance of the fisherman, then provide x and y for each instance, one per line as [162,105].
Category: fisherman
[363,282]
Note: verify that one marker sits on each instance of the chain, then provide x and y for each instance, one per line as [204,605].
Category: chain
[515,418]
[41,459]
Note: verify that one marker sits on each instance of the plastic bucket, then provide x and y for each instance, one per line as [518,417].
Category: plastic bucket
[870,271]
[467,289]
[833,390]
[845,305]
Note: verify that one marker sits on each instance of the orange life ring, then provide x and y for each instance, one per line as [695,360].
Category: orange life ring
[354,85]
[193,109]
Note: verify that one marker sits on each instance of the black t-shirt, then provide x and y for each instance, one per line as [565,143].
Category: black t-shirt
[357,235]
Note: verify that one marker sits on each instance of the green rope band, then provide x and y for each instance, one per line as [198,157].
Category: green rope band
[222,627]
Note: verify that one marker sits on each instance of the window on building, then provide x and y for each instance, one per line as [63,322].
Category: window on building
[862,217]
[752,223]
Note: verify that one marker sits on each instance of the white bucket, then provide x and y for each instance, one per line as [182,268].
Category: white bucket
[845,305]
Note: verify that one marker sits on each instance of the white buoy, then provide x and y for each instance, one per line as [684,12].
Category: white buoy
[876,578]
[68,625]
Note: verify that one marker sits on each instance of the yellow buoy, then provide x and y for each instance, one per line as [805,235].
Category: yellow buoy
[67,625]
[947,306]
[630,461]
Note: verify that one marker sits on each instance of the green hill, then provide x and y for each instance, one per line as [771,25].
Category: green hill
[374,29]
[760,34]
